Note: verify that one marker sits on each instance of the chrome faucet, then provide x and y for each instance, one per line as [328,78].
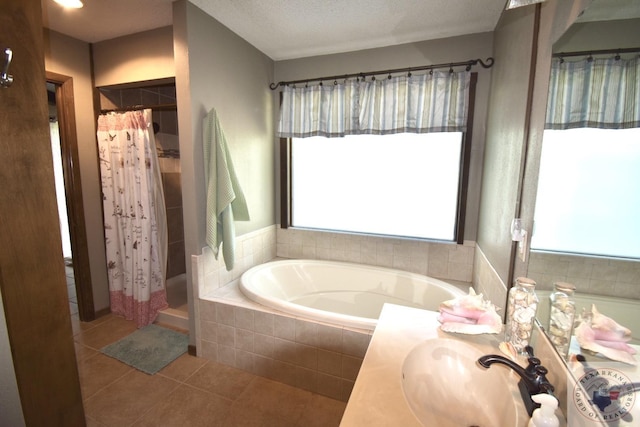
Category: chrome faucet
[533,378]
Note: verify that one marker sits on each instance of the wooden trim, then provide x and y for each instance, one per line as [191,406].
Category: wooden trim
[527,138]
[103,312]
[73,193]
[285,180]
[158,107]
[465,162]
[285,185]
[191,349]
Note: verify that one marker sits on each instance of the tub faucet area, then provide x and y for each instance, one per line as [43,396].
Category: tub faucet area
[533,378]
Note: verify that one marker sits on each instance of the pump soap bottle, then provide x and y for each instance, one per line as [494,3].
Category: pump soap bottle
[545,415]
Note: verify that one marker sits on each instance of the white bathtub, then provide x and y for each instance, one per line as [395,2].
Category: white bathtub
[346,294]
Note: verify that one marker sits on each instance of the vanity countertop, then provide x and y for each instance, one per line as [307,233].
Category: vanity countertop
[377,398]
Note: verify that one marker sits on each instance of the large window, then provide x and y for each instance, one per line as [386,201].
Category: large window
[588,198]
[406,185]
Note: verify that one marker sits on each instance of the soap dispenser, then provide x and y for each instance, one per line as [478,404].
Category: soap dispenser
[545,415]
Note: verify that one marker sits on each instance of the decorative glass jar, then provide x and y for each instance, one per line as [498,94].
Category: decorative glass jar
[561,316]
[521,312]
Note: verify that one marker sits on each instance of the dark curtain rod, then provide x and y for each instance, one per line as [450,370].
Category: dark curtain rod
[596,52]
[159,107]
[467,64]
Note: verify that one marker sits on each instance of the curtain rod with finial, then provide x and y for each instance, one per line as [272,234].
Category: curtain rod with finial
[596,52]
[468,64]
[156,107]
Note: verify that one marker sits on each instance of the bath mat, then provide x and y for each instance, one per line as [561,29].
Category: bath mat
[148,349]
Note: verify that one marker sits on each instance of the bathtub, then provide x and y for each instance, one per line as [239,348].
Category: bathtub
[339,293]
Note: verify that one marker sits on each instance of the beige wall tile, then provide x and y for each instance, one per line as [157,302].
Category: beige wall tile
[284,327]
[264,323]
[329,362]
[264,345]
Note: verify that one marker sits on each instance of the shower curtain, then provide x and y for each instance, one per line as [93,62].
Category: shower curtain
[134,215]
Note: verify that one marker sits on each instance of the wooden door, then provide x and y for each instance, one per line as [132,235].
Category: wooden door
[32,278]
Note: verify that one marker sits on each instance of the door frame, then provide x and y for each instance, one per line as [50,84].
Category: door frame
[73,193]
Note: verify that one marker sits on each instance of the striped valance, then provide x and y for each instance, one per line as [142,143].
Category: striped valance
[595,93]
[436,102]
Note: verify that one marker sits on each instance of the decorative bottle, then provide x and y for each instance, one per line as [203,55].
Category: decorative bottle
[561,316]
[521,312]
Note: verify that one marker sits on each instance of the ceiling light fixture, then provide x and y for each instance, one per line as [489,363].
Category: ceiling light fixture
[72,4]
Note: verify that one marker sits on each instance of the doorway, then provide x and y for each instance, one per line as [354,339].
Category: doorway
[62,112]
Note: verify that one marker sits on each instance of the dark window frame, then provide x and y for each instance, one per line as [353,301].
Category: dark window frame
[463,182]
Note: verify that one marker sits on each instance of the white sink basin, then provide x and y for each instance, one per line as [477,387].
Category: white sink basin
[444,386]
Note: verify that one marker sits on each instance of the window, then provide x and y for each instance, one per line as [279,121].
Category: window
[588,198]
[407,185]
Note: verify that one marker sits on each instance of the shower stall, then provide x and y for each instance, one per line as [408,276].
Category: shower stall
[161,99]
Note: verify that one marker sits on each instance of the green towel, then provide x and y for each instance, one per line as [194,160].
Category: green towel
[225,200]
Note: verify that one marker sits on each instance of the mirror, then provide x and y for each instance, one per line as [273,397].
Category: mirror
[613,284]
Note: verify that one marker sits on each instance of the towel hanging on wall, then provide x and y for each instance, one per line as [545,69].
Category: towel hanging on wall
[225,200]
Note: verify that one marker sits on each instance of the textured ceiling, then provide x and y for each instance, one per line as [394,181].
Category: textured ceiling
[296,28]
[607,10]
[106,19]
[286,29]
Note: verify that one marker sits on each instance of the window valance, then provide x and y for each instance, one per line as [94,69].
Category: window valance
[432,102]
[595,93]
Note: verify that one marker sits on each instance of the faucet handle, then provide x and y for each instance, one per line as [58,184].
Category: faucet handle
[529,351]
[534,362]
[540,379]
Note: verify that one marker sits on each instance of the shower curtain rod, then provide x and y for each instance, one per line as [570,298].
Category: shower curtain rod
[597,52]
[158,107]
[467,64]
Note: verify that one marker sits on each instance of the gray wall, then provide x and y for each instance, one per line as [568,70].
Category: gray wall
[623,33]
[454,49]
[215,68]
[138,57]
[506,187]
[71,57]
[556,17]
[513,39]
[557,34]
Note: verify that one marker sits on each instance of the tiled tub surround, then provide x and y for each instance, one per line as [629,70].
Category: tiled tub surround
[591,275]
[487,281]
[252,249]
[444,261]
[318,357]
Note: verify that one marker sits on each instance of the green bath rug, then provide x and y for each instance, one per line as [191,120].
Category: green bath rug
[148,349]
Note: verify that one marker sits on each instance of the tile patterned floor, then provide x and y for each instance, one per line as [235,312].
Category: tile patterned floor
[190,391]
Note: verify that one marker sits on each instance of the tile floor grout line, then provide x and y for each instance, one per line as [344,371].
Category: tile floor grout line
[84,399]
[188,376]
[159,402]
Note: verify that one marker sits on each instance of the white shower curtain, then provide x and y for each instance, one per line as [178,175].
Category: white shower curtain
[134,215]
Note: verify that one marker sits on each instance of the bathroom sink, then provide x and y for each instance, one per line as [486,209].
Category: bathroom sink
[444,386]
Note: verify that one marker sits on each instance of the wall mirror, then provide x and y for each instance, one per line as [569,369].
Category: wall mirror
[605,274]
